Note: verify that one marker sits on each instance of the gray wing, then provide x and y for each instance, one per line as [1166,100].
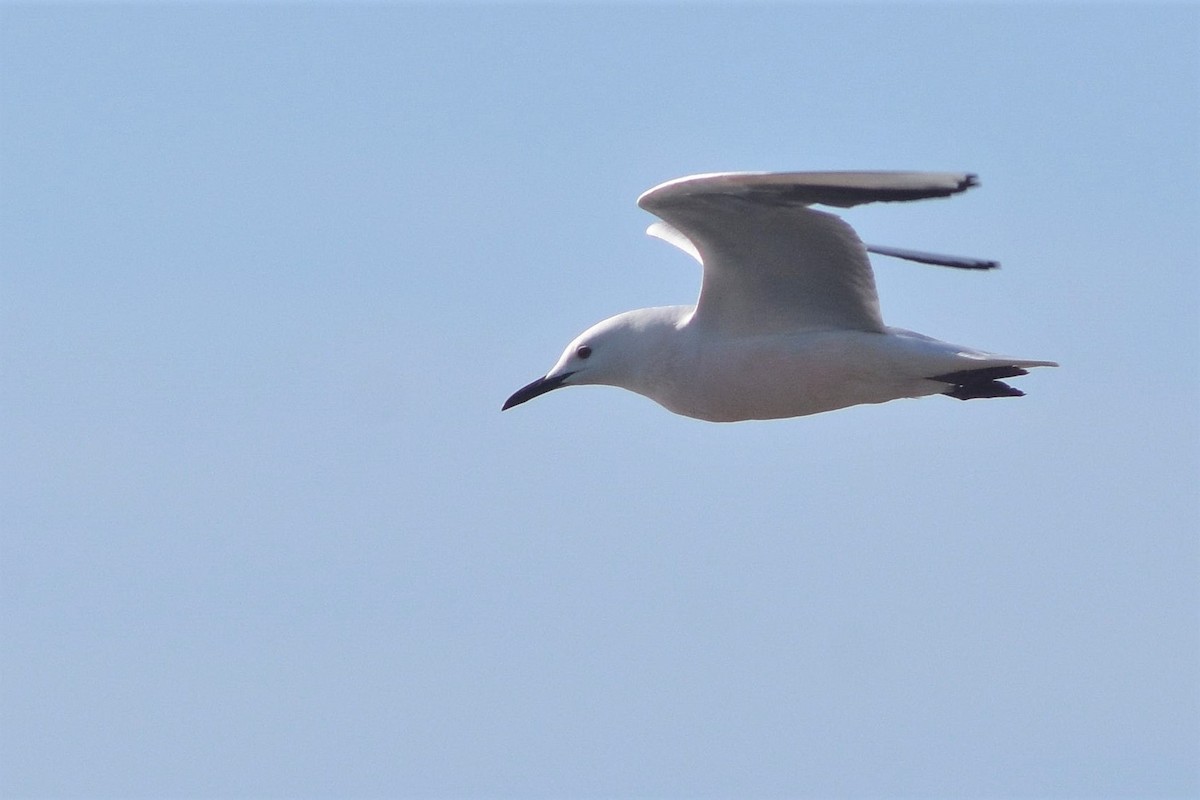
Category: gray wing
[661,230]
[773,264]
[921,257]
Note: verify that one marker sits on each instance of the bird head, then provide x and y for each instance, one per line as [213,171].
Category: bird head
[616,352]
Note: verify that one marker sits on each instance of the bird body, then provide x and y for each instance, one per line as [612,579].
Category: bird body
[787,322]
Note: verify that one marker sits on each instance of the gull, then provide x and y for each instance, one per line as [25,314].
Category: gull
[787,322]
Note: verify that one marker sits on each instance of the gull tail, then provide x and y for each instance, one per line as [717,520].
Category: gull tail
[972,384]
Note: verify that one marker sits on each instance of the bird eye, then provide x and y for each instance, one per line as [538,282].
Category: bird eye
[583,351]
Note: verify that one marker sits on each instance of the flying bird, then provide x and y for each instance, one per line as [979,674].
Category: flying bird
[788,321]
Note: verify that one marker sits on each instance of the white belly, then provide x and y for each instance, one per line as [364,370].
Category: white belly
[769,377]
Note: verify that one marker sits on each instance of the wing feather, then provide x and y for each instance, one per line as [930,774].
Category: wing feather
[921,257]
[772,264]
[664,231]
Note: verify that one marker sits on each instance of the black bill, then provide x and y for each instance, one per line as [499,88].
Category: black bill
[538,387]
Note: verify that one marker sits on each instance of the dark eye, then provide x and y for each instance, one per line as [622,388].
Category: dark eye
[583,351]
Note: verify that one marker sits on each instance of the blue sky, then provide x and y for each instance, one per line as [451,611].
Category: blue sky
[267,273]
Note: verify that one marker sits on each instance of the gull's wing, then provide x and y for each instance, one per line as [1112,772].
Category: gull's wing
[958,262]
[661,230]
[771,263]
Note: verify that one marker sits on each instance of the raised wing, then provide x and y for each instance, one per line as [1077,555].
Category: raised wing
[661,230]
[921,257]
[771,263]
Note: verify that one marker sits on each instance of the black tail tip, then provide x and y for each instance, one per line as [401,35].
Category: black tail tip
[975,391]
[972,384]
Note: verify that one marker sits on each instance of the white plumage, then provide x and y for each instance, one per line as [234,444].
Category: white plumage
[788,320]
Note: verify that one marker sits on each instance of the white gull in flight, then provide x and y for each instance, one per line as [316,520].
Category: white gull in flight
[788,320]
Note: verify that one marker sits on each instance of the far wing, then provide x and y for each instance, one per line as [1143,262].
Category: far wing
[663,231]
[771,263]
[958,262]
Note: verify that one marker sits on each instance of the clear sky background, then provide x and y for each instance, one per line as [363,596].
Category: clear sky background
[269,271]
